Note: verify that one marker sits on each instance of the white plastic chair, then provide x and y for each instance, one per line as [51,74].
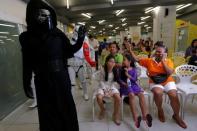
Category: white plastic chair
[185,73]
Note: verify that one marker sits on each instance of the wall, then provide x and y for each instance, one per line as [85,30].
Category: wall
[13,11]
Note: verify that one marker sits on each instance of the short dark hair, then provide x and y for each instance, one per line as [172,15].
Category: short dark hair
[163,46]
[193,41]
[114,43]
[194,50]
[90,36]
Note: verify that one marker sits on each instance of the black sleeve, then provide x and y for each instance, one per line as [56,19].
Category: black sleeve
[71,49]
[27,70]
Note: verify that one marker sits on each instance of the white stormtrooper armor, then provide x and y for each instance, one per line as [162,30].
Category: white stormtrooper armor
[77,64]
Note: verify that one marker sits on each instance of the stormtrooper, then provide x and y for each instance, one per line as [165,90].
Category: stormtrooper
[77,66]
[45,51]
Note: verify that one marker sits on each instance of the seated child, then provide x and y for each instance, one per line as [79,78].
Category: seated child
[108,88]
[129,87]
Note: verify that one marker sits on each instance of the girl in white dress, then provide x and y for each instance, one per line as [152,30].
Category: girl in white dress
[108,87]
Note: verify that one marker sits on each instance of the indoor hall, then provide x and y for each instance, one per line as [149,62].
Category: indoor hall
[141,23]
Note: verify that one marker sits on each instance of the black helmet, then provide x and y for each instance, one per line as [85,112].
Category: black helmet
[40,15]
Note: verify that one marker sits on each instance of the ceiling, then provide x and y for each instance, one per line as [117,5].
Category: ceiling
[104,10]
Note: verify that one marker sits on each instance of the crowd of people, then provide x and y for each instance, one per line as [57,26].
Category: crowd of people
[119,77]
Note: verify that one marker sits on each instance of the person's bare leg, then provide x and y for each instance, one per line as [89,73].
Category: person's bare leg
[132,105]
[142,105]
[116,114]
[175,104]
[101,105]
[158,93]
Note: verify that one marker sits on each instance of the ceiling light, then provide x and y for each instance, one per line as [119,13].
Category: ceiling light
[145,25]
[140,23]
[86,15]
[7,25]
[119,12]
[124,24]
[183,6]
[1,40]
[14,35]
[9,39]
[93,27]
[101,21]
[146,17]
[126,29]
[110,25]
[123,19]
[179,6]
[3,37]
[148,27]
[149,10]
[103,28]
[112,2]
[81,23]
[117,28]
[114,30]
[4,33]
[67,4]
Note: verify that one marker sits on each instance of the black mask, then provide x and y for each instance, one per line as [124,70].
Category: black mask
[43,17]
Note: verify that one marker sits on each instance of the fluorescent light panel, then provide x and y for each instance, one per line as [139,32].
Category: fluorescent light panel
[15,35]
[117,28]
[149,10]
[93,27]
[124,24]
[7,25]
[101,21]
[4,33]
[110,25]
[145,25]
[140,23]
[119,12]
[182,7]
[86,15]
[123,19]
[3,37]
[81,23]
[112,2]
[146,17]
[67,4]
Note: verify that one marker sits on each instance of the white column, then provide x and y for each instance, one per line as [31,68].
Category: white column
[135,32]
[164,25]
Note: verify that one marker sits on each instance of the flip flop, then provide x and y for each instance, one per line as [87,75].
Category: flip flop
[137,124]
[149,120]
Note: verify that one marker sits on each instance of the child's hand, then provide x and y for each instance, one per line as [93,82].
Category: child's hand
[125,85]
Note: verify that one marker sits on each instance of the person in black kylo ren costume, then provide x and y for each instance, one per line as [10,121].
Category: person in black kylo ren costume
[44,49]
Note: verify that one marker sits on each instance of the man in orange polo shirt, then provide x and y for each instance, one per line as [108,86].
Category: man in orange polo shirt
[159,65]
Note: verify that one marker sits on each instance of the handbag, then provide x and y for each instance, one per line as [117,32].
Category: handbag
[160,78]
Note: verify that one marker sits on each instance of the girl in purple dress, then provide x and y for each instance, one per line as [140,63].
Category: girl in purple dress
[130,88]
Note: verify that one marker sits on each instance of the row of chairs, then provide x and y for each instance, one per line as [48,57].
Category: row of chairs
[185,88]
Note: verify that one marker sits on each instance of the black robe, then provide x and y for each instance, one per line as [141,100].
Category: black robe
[46,55]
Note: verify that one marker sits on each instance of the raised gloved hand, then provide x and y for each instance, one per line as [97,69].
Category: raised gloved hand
[81,32]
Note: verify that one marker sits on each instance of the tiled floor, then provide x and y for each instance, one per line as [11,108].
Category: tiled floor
[25,119]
